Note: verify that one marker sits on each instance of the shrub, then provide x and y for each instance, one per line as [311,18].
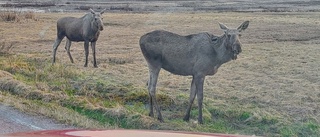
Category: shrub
[30,15]
[10,16]
[13,16]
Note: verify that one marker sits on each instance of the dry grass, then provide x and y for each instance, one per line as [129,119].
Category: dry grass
[5,74]
[30,15]
[277,74]
[5,47]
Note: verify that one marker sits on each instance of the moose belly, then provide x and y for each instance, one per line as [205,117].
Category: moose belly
[75,38]
[178,67]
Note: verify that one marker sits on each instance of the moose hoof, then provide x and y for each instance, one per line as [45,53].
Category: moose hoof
[161,120]
[200,121]
[151,114]
[186,119]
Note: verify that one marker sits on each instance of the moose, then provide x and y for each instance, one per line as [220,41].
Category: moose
[86,28]
[196,55]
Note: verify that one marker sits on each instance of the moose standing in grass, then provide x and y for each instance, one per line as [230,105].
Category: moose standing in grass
[86,28]
[197,55]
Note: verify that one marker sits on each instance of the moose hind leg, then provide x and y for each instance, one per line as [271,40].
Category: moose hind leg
[154,73]
[151,114]
[68,45]
[55,47]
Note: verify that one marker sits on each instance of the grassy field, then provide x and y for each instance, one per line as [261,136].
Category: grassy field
[272,89]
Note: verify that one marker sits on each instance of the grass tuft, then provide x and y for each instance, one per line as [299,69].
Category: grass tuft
[120,60]
[309,129]
[30,15]
[5,47]
[10,16]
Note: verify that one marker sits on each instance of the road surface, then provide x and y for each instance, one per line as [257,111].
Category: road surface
[12,120]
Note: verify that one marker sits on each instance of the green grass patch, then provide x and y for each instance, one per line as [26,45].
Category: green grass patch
[307,129]
[243,121]
[93,114]
[110,117]
[138,107]
[34,70]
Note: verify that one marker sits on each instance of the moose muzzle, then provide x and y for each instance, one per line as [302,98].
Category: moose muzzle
[236,49]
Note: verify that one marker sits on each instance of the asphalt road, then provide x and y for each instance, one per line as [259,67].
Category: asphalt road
[12,120]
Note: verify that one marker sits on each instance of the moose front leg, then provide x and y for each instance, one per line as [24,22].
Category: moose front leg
[68,45]
[199,88]
[191,99]
[93,46]
[86,49]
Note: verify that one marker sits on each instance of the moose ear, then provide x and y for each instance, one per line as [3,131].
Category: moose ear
[243,26]
[101,12]
[223,27]
[91,11]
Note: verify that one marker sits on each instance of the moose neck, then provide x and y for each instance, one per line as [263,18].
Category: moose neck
[90,23]
[94,26]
